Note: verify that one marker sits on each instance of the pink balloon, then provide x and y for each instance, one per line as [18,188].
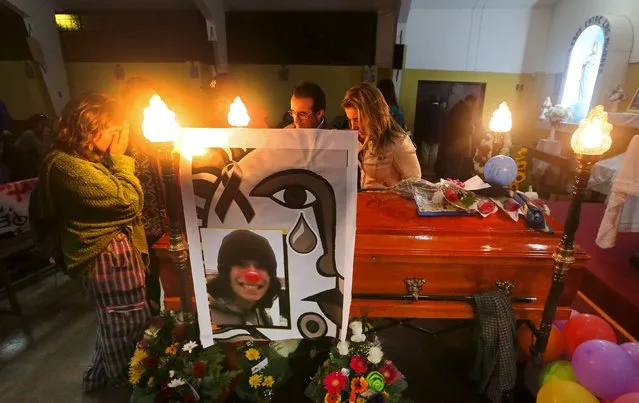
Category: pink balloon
[629,398]
[632,349]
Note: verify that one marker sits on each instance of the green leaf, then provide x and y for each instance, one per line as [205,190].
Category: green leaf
[142,395]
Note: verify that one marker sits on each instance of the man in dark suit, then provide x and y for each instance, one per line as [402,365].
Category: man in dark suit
[308,104]
[455,147]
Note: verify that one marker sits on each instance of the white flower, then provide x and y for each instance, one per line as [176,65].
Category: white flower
[375,355]
[189,346]
[176,382]
[285,347]
[438,198]
[342,348]
[346,372]
[356,327]
[358,338]
[171,374]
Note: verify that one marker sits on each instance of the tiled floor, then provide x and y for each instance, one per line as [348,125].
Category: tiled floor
[49,369]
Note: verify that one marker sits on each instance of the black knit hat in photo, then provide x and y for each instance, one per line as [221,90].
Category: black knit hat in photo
[242,245]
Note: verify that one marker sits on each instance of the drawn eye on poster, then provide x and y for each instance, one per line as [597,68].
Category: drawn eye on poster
[270,222]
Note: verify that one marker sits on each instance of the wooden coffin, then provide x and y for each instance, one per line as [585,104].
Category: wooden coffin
[456,257]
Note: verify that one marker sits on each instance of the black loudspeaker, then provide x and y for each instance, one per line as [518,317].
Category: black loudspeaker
[398,57]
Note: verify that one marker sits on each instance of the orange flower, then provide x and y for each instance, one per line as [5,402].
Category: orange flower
[359,385]
[331,398]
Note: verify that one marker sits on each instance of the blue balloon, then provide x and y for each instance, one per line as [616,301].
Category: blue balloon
[500,170]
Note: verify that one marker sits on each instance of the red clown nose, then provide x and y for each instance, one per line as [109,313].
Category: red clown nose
[252,277]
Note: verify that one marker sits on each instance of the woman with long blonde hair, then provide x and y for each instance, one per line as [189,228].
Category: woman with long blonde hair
[387,154]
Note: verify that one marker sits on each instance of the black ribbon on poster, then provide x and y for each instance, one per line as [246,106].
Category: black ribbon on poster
[231,177]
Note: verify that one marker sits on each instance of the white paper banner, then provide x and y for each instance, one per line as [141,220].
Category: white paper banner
[270,220]
[14,205]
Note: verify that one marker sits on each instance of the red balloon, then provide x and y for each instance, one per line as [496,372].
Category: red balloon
[555,346]
[586,327]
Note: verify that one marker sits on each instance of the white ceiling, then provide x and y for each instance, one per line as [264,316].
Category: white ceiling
[465,4]
[288,5]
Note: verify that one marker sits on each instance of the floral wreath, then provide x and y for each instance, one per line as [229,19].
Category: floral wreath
[357,372]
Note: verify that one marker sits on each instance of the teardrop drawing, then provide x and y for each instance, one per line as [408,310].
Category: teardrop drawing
[302,238]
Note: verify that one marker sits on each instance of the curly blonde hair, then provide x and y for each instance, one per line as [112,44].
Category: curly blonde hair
[82,120]
[374,115]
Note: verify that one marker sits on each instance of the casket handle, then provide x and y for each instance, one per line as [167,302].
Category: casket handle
[414,286]
[506,285]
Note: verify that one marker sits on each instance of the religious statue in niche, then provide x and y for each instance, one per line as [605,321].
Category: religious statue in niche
[584,66]
[589,70]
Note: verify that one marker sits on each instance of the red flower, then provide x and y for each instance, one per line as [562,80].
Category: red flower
[451,195]
[390,373]
[486,207]
[199,369]
[151,362]
[511,205]
[334,382]
[157,322]
[179,332]
[358,364]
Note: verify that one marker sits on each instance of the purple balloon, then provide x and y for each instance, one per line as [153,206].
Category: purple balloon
[632,349]
[605,369]
[560,324]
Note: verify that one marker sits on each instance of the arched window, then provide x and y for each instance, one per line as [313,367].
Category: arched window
[583,69]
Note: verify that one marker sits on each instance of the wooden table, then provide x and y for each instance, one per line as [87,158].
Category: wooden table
[456,257]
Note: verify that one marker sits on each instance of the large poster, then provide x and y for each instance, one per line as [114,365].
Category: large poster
[14,205]
[270,221]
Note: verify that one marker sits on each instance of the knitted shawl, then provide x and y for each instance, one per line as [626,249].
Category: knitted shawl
[91,203]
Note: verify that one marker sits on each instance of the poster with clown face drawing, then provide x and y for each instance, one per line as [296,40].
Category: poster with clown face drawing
[270,222]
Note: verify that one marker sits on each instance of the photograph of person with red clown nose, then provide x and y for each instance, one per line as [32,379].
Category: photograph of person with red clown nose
[247,291]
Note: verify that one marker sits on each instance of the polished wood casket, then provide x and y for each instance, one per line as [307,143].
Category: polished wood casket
[452,258]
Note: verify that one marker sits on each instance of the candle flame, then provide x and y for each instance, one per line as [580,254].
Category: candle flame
[502,120]
[238,115]
[592,137]
[159,123]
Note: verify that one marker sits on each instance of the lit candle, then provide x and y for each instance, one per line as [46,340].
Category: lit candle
[502,120]
[592,137]
[238,115]
[159,124]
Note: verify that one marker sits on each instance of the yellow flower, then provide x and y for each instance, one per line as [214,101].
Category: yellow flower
[138,356]
[521,176]
[255,381]
[360,400]
[171,350]
[135,373]
[332,398]
[268,381]
[522,151]
[252,354]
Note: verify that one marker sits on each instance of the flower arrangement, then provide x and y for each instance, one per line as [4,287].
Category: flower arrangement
[169,365]
[520,181]
[264,368]
[357,372]
[557,114]
[490,145]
